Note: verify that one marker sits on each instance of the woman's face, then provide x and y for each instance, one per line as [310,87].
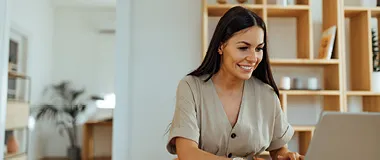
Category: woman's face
[243,52]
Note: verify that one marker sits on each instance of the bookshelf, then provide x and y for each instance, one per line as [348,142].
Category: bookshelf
[338,85]
[17,122]
[360,73]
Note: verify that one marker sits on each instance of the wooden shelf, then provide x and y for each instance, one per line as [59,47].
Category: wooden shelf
[16,156]
[303,128]
[362,93]
[287,11]
[303,62]
[12,74]
[310,92]
[354,11]
[375,12]
[218,10]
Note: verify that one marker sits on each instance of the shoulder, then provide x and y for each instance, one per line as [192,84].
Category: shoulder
[192,81]
[264,87]
[265,90]
[190,87]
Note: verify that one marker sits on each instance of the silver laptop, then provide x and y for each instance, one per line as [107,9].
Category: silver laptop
[346,136]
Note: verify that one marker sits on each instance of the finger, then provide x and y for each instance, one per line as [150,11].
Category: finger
[292,156]
[302,157]
[281,158]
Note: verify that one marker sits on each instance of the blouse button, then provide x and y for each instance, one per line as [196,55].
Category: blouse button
[230,155]
[233,135]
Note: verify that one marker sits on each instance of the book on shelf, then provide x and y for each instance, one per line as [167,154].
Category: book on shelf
[327,43]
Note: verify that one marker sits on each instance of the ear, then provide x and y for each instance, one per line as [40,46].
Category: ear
[220,49]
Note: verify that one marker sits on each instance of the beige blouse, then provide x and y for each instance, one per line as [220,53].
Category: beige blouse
[199,116]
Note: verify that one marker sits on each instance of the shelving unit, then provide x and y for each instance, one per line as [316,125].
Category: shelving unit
[360,56]
[334,92]
[17,119]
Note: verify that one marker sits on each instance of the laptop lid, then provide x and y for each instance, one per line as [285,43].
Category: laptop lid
[346,136]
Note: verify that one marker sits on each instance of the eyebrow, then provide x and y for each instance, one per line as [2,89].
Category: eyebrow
[262,43]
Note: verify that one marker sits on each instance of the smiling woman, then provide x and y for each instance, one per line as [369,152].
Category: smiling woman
[229,107]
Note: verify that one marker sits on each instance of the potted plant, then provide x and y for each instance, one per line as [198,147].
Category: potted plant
[64,107]
[376,62]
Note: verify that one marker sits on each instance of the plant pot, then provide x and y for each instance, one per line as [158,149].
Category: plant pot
[74,153]
[376,81]
[12,144]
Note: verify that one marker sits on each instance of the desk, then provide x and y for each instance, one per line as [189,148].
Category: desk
[88,137]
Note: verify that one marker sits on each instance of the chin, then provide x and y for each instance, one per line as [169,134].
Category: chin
[244,76]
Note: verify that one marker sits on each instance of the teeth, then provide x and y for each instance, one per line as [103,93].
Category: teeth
[246,67]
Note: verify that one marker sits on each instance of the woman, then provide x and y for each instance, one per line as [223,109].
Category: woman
[229,107]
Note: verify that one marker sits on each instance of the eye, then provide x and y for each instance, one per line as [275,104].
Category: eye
[258,49]
[243,48]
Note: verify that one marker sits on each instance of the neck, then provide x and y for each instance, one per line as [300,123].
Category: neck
[227,81]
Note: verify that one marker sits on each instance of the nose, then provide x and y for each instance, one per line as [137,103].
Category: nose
[252,57]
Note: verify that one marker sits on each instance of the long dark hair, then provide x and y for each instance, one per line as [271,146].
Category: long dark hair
[234,20]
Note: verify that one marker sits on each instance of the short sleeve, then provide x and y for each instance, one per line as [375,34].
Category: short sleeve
[184,123]
[282,131]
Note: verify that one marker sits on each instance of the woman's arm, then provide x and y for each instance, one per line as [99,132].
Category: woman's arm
[188,150]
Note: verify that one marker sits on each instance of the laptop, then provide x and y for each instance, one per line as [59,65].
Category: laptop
[346,136]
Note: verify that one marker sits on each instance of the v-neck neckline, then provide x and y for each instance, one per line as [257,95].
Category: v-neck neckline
[221,107]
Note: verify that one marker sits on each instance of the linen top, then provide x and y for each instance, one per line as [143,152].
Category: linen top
[200,117]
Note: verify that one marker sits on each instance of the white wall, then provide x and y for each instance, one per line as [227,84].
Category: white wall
[165,47]
[35,20]
[4,45]
[121,138]
[84,56]
[81,53]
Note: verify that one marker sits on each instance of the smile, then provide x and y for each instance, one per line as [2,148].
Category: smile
[246,68]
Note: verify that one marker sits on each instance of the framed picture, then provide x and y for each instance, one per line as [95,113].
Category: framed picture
[327,43]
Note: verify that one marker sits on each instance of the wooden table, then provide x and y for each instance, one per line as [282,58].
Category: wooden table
[88,138]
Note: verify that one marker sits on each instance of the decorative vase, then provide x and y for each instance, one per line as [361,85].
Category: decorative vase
[12,144]
[242,1]
[74,153]
[222,1]
[376,81]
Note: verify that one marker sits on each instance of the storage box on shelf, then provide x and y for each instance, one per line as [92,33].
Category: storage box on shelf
[17,118]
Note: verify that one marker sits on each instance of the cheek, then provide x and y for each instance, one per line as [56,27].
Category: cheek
[233,56]
[260,56]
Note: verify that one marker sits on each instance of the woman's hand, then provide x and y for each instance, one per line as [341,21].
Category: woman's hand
[291,156]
